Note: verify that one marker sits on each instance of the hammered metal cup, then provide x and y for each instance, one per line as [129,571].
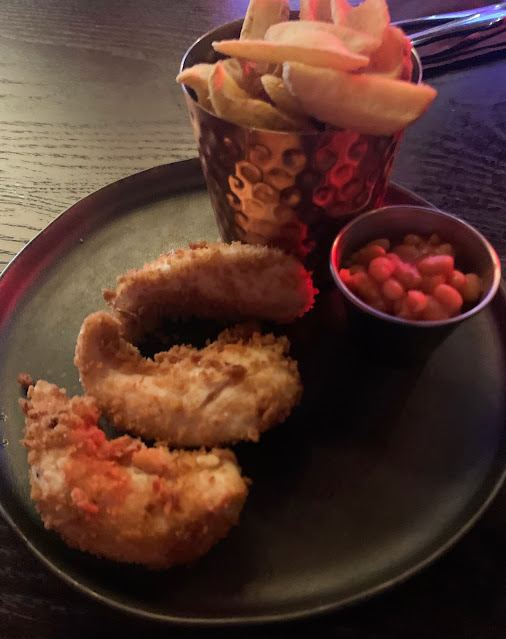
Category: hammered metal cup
[294,190]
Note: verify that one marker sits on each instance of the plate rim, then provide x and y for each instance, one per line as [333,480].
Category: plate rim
[153,175]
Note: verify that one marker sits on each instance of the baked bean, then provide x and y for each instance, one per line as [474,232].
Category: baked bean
[416,301]
[457,279]
[413,240]
[405,311]
[434,311]
[366,287]
[407,275]
[345,275]
[393,257]
[406,252]
[357,268]
[436,265]
[392,289]
[471,290]
[449,297]
[383,242]
[368,253]
[381,268]
[444,249]
[429,282]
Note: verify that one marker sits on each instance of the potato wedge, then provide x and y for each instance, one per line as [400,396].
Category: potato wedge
[234,68]
[282,98]
[262,14]
[372,16]
[246,76]
[232,103]
[318,49]
[390,58]
[339,9]
[315,10]
[197,78]
[296,31]
[365,103]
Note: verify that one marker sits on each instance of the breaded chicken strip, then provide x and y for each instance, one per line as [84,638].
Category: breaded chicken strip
[233,389]
[119,499]
[212,281]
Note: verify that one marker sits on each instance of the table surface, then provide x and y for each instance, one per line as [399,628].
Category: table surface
[87,96]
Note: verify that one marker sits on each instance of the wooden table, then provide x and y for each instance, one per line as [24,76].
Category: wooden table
[87,96]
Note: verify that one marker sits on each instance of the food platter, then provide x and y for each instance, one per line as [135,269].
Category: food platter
[379,471]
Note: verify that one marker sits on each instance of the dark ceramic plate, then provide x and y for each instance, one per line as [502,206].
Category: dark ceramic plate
[378,472]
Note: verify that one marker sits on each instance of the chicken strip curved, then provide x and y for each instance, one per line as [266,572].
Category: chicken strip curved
[118,498]
[212,281]
[233,389]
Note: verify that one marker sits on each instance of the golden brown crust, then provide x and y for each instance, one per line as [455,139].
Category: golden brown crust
[233,389]
[120,499]
[212,281]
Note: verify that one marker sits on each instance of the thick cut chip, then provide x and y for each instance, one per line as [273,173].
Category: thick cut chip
[391,58]
[365,103]
[315,10]
[197,78]
[318,49]
[324,10]
[233,67]
[261,15]
[282,98]
[371,16]
[246,76]
[297,30]
[230,102]
[339,9]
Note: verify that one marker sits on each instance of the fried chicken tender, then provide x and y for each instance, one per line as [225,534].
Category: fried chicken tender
[212,281]
[233,389]
[119,499]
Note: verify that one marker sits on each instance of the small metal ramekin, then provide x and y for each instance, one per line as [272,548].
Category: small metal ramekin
[389,335]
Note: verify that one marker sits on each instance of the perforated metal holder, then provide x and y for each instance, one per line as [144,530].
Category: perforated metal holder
[294,190]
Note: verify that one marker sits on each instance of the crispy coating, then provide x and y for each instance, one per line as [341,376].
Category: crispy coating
[233,389]
[120,499]
[212,281]
[25,381]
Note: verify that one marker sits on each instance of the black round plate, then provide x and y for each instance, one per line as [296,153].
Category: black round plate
[378,472]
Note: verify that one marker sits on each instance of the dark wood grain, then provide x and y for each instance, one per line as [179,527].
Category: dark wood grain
[87,96]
